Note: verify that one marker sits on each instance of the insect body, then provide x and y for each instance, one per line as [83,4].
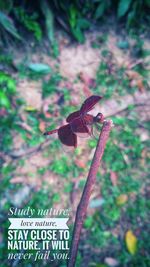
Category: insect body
[79,123]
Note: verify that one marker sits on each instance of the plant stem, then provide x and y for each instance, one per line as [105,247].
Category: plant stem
[91,179]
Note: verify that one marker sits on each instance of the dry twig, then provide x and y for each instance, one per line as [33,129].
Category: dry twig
[82,207]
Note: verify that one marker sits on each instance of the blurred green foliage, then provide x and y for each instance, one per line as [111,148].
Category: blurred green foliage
[8,110]
[29,22]
[73,16]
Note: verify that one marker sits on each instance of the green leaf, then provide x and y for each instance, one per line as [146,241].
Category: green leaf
[130,18]
[56,197]
[147,2]
[123,44]
[49,20]
[11,85]
[60,166]
[8,25]
[4,101]
[119,120]
[83,23]
[73,16]
[100,10]
[123,7]
[78,35]
[92,143]
[88,222]
[39,68]
[94,203]
[7,82]
[114,214]
[6,6]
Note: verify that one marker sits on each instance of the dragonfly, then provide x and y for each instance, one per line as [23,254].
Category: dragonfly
[79,123]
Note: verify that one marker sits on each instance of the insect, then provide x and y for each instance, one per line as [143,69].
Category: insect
[79,122]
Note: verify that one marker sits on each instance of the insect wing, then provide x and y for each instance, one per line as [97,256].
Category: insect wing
[89,103]
[88,119]
[73,116]
[66,136]
[79,127]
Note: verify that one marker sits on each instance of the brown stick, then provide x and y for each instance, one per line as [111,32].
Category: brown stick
[82,207]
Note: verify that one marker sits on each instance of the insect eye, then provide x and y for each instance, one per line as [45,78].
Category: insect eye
[100,117]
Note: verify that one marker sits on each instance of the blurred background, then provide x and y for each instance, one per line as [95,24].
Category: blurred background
[53,55]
